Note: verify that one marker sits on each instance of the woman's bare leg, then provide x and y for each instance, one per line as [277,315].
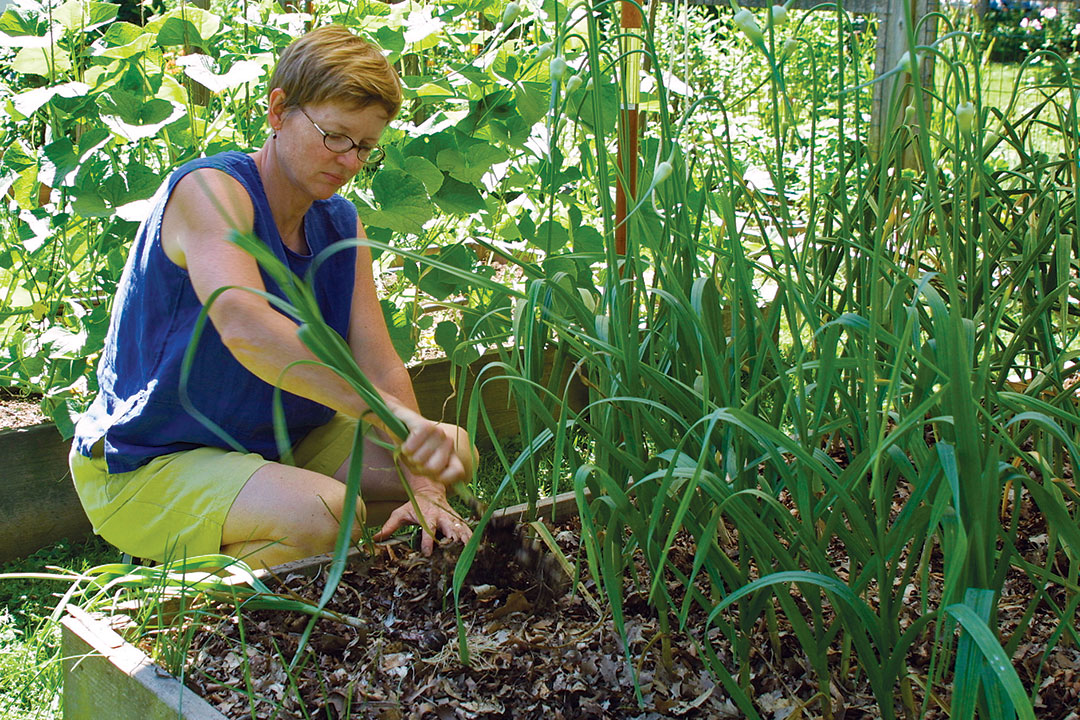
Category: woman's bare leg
[286,513]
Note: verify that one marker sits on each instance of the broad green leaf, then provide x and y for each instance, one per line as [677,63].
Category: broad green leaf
[42,61]
[84,16]
[13,24]
[26,188]
[83,107]
[141,181]
[62,343]
[469,163]
[172,90]
[497,106]
[551,236]
[178,31]
[429,146]
[16,157]
[27,102]
[390,39]
[422,168]
[532,100]
[458,198]
[587,239]
[597,120]
[403,202]
[188,19]
[91,140]
[122,33]
[439,283]
[138,45]
[434,90]
[59,163]
[446,337]
[506,65]
[400,326]
[135,118]
[89,182]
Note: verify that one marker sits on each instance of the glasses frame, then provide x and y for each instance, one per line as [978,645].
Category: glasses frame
[375,154]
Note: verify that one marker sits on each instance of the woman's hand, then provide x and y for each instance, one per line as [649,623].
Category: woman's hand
[440,451]
[438,516]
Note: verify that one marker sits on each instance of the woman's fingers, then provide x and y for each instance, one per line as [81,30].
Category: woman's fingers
[438,517]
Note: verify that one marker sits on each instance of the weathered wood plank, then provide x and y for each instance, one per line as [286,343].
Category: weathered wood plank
[38,504]
[892,43]
[106,677]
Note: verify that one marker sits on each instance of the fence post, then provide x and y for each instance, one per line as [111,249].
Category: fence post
[892,43]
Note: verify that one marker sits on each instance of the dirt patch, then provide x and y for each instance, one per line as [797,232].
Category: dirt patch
[17,412]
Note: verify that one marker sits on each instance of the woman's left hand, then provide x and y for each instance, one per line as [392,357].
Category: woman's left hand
[438,515]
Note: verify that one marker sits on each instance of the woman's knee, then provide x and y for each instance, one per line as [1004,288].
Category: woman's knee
[297,507]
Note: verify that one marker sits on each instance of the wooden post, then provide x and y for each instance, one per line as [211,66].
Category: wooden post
[197,92]
[892,43]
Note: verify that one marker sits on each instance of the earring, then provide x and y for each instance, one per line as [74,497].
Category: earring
[275,134]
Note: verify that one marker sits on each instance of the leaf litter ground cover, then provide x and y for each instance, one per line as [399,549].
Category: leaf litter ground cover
[537,650]
[541,651]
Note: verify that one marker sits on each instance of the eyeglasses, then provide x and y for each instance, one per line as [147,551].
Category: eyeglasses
[341,144]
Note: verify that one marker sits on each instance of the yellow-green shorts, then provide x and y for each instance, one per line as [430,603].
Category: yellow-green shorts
[175,505]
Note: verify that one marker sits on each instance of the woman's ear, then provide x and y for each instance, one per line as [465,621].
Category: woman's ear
[275,114]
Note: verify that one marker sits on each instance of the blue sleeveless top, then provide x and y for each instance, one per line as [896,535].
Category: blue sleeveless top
[138,410]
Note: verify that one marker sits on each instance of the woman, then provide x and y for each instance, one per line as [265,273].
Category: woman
[158,483]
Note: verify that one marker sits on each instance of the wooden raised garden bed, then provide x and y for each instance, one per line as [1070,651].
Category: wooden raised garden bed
[107,677]
[540,646]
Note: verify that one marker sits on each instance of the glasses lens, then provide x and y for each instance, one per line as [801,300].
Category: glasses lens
[373,155]
[337,143]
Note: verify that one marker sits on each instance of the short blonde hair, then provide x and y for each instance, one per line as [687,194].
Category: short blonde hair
[330,64]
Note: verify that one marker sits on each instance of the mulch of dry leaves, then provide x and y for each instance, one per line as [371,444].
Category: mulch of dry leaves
[540,651]
[537,650]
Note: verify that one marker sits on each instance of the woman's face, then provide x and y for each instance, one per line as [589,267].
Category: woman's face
[313,166]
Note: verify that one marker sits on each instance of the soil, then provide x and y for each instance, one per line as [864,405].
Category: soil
[540,650]
[17,412]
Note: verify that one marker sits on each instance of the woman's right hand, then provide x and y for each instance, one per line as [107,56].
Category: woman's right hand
[440,451]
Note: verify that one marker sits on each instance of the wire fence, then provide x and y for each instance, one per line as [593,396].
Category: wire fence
[1032,45]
